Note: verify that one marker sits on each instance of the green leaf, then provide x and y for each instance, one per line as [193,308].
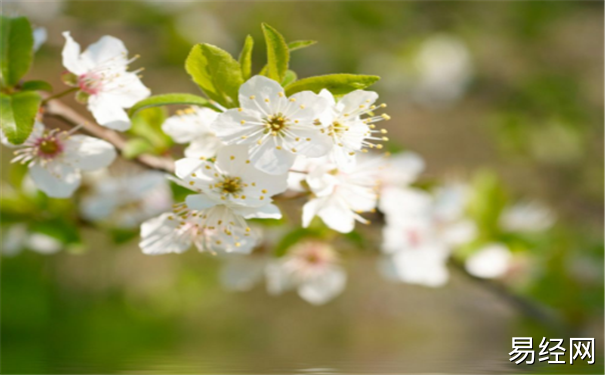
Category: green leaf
[135,147]
[16,49]
[289,78]
[300,44]
[18,114]
[216,72]
[36,86]
[278,54]
[245,58]
[337,84]
[169,99]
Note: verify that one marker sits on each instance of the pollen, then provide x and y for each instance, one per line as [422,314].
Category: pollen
[252,97]
[242,122]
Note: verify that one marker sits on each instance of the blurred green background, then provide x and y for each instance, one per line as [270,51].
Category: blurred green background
[511,87]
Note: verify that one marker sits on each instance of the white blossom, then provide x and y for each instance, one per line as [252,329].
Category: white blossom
[17,237]
[340,196]
[176,232]
[350,132]
[421,232]
[491,261]
[105,85]
[527,217]
[126,199]
[231,181]
[230,190]
[56,158]
[275,128]
[192,126]
[312,268]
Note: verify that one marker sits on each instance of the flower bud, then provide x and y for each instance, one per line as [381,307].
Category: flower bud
[82,97]
[69,79]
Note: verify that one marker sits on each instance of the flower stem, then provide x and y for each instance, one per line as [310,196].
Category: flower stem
[60,94]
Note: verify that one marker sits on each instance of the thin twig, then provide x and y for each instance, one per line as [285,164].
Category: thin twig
[59,95]
[55,108]
[528,307]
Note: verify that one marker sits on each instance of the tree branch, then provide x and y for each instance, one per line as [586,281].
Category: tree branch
[54,108]
[528,307]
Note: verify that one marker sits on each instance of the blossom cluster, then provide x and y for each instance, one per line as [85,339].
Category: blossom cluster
[238,160]
[311,147]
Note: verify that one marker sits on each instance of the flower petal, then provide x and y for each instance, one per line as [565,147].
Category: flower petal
[71,56]
[269,159]
[269,211]
[127,90]
[55,179]
[187,127]
[159,236]
[337,216]
[489,262]
[354,101]
[108,113]
[107,50]
[262,94]
[199,202]
[88,153]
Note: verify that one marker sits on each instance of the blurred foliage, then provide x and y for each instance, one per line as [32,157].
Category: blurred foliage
[533,95]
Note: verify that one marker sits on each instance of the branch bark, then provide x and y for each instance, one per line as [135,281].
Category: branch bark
[55,108]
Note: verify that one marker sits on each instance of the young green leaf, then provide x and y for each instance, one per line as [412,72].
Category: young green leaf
[300,44]
[337,84]
[169,99]
[36,86]
[289,78]
[245,58]
[278,54]
[216,72]
[197,67]
[18,114]
[16,49]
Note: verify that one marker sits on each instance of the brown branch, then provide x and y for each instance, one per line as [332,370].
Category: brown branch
[54,108]
[526,306]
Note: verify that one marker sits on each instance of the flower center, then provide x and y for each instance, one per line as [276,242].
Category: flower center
[49,147]
[90,83]
[276,123]
[230,185]
[337,128]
